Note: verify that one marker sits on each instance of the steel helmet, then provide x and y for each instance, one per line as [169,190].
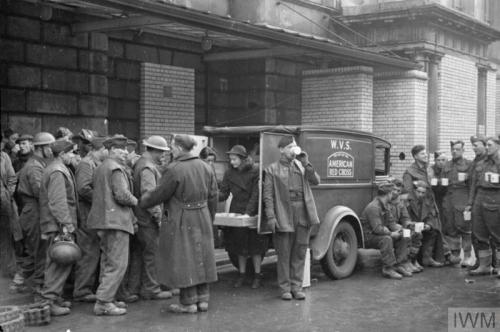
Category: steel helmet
[43,138]
[65,252]
[156,142]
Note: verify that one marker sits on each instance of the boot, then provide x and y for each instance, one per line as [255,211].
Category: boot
[108,309]
[427,250]
[399,268]
[484,264]
[418,266]
[453,258]
[410,267]
[256,283]
[389,272]
[240,280]
[57,310]
[467,261]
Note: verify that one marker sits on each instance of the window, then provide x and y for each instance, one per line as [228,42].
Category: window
[382,154]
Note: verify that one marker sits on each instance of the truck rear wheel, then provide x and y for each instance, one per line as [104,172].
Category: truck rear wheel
[342,254]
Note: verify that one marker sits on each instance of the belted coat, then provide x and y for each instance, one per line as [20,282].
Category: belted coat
[188,189]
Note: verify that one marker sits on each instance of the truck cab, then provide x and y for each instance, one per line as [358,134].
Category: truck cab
[349,164]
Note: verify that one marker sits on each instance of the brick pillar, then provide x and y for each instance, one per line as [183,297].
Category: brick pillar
[167,100]
[492,127]
[400,113]
[497,107]
[338,97]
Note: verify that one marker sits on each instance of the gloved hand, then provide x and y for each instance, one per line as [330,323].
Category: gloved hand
[303,158]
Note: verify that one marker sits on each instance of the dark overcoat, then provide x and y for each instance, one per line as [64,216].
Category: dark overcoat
[188,188]
[243,183]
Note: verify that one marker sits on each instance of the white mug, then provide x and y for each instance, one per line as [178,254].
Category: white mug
[462,176]
[467,215]
[406,232]
[487,176]
[419,227]
[296,150]
[444,182]
[434,182]
[494,178]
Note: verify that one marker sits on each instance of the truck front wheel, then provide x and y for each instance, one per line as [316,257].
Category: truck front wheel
[340,258]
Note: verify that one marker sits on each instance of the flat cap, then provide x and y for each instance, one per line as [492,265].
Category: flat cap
[117,140]
[186,142]
[97,142]
[478,138]
[131,142]
[61,146]
[385,187]
[24,137]
[285,141]
[238,150]
[494,139]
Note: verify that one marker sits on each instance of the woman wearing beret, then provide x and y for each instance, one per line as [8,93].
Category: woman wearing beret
[241,180]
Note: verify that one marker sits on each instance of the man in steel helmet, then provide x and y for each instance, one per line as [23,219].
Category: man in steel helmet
[28,192]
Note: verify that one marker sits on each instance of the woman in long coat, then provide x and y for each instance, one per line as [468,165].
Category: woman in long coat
[242,180]
[188,188]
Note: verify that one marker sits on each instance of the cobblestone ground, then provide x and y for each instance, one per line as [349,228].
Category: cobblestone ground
[363,302]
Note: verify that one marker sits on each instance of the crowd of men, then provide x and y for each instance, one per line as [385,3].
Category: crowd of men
[86,188]
[97,191]
[434,213]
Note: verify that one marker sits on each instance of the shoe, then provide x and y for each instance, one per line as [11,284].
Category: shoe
[452,259]
[130,298]
[484,268]
[202,306]
[183,309]
[299,295]
[57,310]
[410,267]
[240,281]
[120,304]
[89,298]
[63,303]
[418,266]
[163,295]
[432,263]
[286,296]
[401,270]
[390,273]
[256,283]
[108,309]
[467,261]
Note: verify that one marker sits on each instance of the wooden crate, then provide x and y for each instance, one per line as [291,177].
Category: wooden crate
[232,220]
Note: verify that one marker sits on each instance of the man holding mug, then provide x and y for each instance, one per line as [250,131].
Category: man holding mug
[456,229]
[291,211]
[485,203]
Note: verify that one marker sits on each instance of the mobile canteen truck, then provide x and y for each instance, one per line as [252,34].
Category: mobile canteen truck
[349,164]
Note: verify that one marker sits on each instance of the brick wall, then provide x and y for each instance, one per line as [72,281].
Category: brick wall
[497,108]
[338,97]
[127,50]
[491,91]
[400,113]
[50,78]
[457,102]
[167,100]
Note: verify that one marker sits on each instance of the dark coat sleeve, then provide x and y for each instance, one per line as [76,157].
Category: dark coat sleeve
[268,194]
[225,188]
[375,219]
[163,192]
[212,198]
[35,179]
[253,202]
[311,175]
[84,179]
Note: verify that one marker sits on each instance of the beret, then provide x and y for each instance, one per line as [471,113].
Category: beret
[285,141]
[478,138]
